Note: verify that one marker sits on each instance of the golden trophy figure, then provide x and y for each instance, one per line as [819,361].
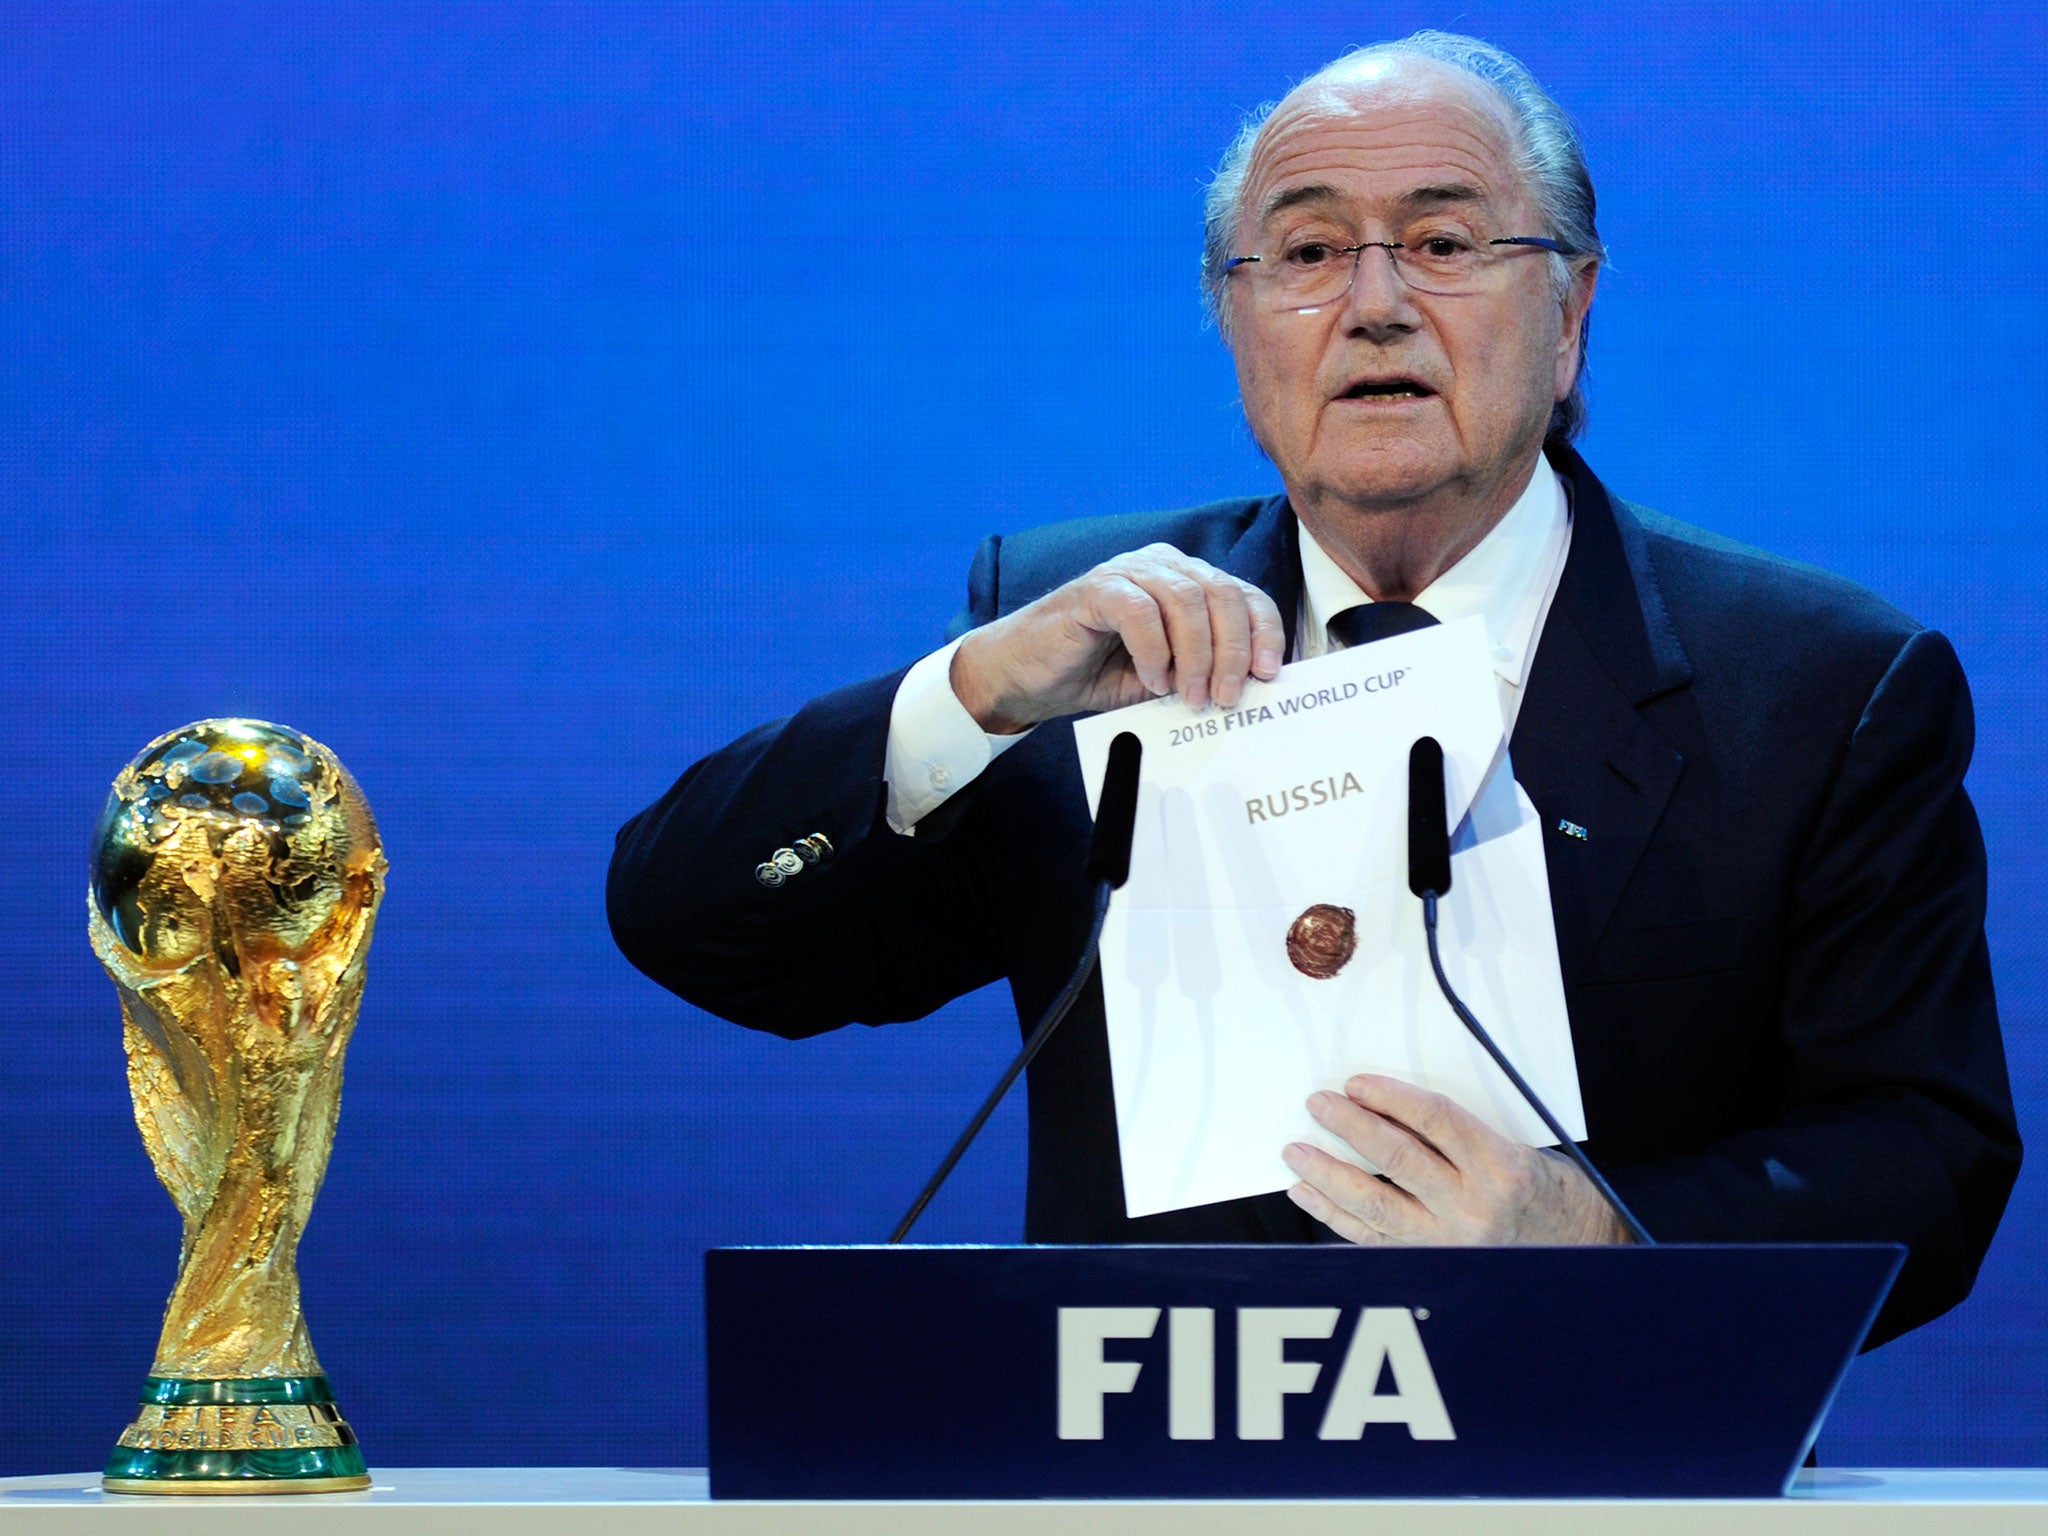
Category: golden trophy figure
[235,880]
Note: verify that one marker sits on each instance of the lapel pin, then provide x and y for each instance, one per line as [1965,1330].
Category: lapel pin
[1571,829]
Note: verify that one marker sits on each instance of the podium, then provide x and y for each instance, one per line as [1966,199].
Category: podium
[1278,1372]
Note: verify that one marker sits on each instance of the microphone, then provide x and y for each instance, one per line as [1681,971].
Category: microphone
[1108,866]
[1429,836]
[1116,815]
[1429,876]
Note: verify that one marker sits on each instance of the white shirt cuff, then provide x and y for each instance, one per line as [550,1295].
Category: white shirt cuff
[936,748]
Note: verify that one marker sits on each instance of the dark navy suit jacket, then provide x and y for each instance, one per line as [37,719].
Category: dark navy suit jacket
[1771,935]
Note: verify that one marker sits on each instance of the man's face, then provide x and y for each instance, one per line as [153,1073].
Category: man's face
[1389,397]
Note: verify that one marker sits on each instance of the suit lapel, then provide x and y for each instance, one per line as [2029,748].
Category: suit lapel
[1268,555]
[1581,747]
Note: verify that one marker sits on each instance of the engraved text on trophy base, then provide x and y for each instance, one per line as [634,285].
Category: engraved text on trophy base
[236,1427]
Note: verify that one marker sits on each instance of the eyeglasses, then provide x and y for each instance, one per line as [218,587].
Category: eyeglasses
[1316,272]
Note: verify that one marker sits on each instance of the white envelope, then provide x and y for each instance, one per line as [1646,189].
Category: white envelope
[1297,798]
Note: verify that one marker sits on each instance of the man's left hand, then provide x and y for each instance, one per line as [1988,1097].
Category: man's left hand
[1450,1178]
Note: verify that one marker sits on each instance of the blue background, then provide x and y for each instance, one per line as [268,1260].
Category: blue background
[524,400]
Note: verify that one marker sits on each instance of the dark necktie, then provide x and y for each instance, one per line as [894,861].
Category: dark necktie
[1377,621]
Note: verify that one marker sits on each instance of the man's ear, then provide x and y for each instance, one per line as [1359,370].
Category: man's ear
[1576,304]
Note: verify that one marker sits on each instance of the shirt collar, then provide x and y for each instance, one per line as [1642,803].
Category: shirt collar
[1506,577]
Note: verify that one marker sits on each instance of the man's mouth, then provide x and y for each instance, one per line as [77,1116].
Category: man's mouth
[1388,389]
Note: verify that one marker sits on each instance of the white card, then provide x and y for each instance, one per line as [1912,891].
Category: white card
[1297,799]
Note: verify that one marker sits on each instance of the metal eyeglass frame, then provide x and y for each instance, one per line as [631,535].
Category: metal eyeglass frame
[1541,242]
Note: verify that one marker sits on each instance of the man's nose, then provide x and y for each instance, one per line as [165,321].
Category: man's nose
[1379,301]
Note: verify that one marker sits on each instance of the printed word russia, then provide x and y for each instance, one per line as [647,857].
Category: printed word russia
[1302,797]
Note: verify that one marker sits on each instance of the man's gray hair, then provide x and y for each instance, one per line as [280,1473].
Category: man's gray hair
[1553,166]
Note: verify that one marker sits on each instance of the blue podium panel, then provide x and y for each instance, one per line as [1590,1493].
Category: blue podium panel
[1242,1372]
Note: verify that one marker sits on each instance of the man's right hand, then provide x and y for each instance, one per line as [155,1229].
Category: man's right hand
[1148,623]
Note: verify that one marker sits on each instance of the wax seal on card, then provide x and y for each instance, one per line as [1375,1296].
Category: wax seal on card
[1322,940]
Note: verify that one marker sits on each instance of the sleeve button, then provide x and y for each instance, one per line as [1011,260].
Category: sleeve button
[788,860]
[769,875]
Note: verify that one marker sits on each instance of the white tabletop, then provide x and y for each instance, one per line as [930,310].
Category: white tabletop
[601,1500]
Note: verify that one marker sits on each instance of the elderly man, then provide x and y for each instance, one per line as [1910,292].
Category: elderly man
[1768,882]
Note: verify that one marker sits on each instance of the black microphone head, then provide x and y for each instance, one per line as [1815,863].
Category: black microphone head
[1429,836]
[1116,814]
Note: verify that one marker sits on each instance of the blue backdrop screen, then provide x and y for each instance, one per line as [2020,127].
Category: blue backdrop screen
[526,400]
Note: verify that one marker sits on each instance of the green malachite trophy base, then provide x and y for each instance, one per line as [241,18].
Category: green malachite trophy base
[271,1434]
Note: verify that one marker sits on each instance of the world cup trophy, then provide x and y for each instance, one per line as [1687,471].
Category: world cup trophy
[235,879]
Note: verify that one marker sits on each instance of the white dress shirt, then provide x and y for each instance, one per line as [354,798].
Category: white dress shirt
[936,748]
[1509,578]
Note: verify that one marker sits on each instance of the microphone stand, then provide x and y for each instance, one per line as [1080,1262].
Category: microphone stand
[1109,864]
[1565,1144]
[1032,1046]
[1429,876]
